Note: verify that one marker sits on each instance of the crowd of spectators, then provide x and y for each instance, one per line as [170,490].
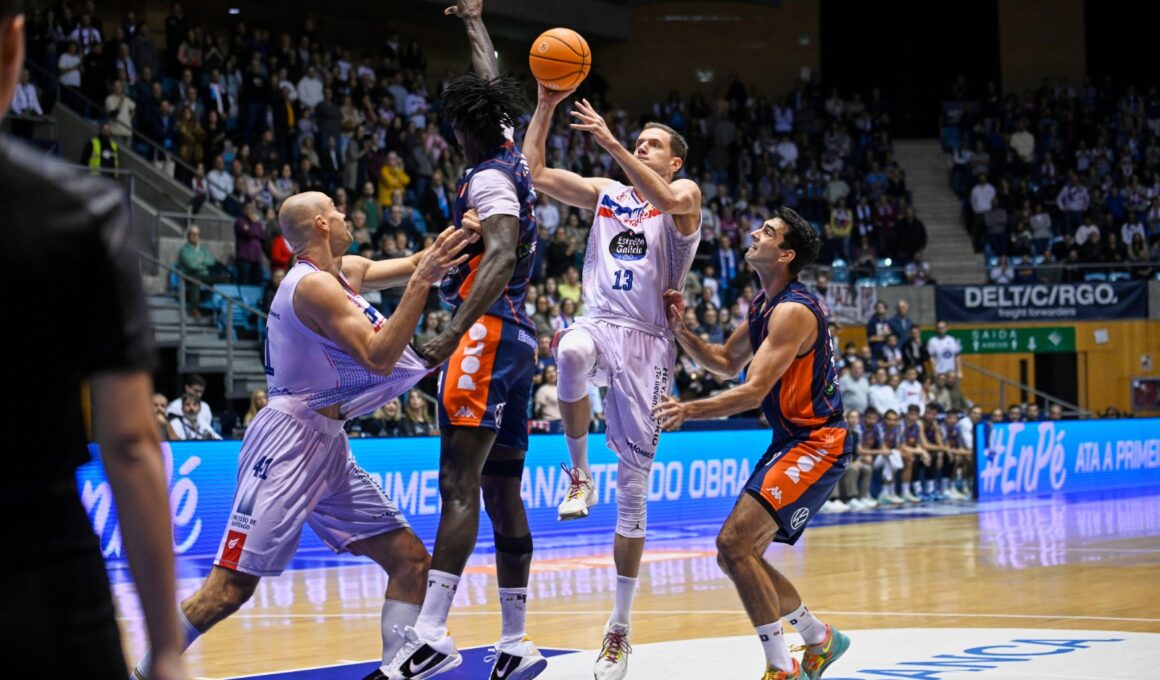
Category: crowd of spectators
[1061,183]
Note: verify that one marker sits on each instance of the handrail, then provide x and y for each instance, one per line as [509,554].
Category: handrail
[1004,381]
[75,92]
[182,281]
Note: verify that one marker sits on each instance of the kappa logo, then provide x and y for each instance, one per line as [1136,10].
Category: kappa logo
[464,412]
[799,518]
[774,492]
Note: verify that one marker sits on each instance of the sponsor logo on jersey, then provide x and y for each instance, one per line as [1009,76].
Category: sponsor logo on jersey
[628,245]
[639,451]
[232,552]
[528,339]
[799,518]
[464,412]
[627,215]
[498,411]
[470,363]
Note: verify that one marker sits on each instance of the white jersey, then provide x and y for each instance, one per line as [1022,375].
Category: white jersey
[634,254]
[944,350]
[309,368]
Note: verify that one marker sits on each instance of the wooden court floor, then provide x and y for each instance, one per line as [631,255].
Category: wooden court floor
[1091,566]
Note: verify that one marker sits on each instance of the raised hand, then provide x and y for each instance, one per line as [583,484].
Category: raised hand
[588,120]
[444,254]
[550,98]
[465,9]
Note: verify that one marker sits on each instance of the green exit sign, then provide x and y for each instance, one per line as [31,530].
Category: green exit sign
[1011,340]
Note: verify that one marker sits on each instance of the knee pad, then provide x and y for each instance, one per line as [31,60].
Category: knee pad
[504,468]
[631,501]
[575,359]
[519,545]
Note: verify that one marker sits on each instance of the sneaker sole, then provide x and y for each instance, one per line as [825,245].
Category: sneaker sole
[573,515]
[451,663]
[838,652]
[531,671]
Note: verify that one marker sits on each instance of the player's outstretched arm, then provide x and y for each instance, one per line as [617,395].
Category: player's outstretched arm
[500,240]
[321,303]
[562,185]
[791,326]
[124,428]
[482,51]
[371,275]
[725,360]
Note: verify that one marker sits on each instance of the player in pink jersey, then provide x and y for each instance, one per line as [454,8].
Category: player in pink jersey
[643,238]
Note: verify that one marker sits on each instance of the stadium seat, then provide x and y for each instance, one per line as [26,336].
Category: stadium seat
[1095,276]
[241,318]
[1119,276]
[839,272]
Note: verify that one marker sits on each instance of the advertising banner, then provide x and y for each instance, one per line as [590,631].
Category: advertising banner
[696,478]
[1042,302]
[1029,459]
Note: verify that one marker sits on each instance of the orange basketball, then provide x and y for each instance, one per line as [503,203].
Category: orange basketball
[560,58]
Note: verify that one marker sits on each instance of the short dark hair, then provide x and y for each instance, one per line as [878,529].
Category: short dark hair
[800,237]
[11,8]
[481,108]
[194,380]
[677,143]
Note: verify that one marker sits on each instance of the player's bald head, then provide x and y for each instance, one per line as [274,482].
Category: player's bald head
[296,217]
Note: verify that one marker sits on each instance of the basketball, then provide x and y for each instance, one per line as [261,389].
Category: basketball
[560,58]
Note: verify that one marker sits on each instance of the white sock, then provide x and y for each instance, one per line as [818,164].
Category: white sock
[578,452]
[513,603]
[396,614]
[441,587]
[807,625]
[625,590]
[189,634]
[776,651]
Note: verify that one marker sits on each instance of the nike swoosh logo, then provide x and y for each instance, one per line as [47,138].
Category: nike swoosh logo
[410,668]
[507,665]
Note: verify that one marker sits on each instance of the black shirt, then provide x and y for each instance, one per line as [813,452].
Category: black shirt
[74,307]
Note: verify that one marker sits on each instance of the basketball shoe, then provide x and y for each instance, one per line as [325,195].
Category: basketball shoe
[519,661]
[797,673]
[817,658]
[612,664]
[420,658]
[581,495]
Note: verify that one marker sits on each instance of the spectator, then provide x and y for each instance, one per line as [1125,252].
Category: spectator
[901,323]
[891,355]
[856,388]
[914,352]
[1073,201]
[945,350]
[164,429]
[120,109]
[258,401]
[566,316]
[877,328]
[547,402]
[883,398]
[918,271]
[982,201]
[196,261]
[910,392]
[187,425]
[249,247]
[26,100]
[393,176]
[1002,272]
[1054,412]
[419,422]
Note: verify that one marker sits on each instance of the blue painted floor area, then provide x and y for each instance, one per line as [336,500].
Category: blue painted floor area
[474,667]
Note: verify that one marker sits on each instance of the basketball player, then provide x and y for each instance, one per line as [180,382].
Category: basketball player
[487,383]
[793,379]
[643,238]
[330,356]
[56,608]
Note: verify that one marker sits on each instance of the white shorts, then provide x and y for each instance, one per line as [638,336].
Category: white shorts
[296,468]
[637,368]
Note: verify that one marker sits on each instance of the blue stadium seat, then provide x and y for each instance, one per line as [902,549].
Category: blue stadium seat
[1095,276]
[992,261]
[839,272]
[241,319]
[1119,276]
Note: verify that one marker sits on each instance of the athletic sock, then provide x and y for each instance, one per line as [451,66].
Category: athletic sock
[622,610]
[189,634]
[513,603]
[396,614]
[776,651]
[578,452]
[807,625]
[432,621]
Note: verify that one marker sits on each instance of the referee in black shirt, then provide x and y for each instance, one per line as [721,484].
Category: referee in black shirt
[74,311]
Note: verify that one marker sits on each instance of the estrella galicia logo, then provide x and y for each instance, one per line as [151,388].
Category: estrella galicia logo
[628,246]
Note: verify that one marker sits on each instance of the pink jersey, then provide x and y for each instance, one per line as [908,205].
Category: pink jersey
[634,254]
[312,369]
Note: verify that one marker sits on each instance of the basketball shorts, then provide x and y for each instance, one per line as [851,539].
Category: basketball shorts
[795,478]
[637,368]
[488,381]
[296,468]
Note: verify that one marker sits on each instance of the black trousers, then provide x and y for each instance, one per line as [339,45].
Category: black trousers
[56,609]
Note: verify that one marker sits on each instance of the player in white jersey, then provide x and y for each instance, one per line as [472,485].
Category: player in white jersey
[643,239]
[944,351]
[330,356]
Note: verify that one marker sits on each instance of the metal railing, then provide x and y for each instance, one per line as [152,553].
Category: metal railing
[43,76]
[184,280]
[1004,382]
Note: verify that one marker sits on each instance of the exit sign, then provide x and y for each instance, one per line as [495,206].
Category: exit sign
[1011,340]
